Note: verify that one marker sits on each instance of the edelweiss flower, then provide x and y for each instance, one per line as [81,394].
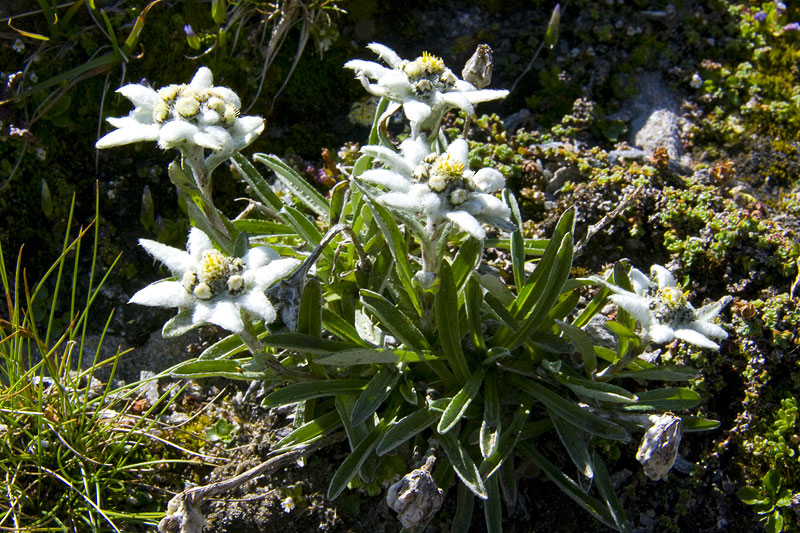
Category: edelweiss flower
[425,87]
[219,289]
[440,186]
[664,312]
[185,117]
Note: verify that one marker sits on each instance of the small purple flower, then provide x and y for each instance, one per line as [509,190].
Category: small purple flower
[780,7]
[761,16]
[188,31]
[793,26]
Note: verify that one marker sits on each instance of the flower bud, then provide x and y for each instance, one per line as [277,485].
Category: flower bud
[191,37]
[47,200]
[147,213]
[659,447]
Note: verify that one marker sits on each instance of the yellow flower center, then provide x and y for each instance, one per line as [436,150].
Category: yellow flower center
[672,296]
[431,63]
[448,167]
[213,266]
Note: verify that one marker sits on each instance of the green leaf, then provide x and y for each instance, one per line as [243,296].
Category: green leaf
[340,327]
[463,464]
[222,349]
[380,387]
[517,240]
[666,399]
[397,246]
[696,423]
[241,245]
[295,183]
[603,483]
[662,373]
[774,523]
[567,485]
[465,505]
[447,323]
[551,33]
[473,300]
[253,178]
[772,481]
[256,227]
[405,429]
[344,407]
[583,342]
[458,405]
[179,324]
[531,291]
[619,330]
[223,368]
[508,481]
[491,423]
[297,392]
[363,356]
[575,442]
[570,411]
[595,390]
[311,431]
[304,227]
[338,196]
[350,466]
[395,321]
[550,288]
[467,258]
[507,441]
[306,344]
[493,507]
[309,320]
[750,495]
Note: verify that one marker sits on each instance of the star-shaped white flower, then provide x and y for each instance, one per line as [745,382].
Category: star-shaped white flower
[664,313]
[193,116]
[425,87]
[216,288]
[439,186]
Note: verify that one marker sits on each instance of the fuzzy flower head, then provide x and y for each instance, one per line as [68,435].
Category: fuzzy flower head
[425,87]
[185,117]
[664,312]
[218,289]
[439,186]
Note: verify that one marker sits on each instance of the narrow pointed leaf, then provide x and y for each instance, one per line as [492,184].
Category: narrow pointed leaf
[458,405]
[463,464]
[583,342]
[224,368]
[473,300]
[447,323]
[309,320]
[465,506]
[493,507]
[574,441]
[297,392]
[466,260]
[351,466]
[311,431]
[395,321]
[666,399]
[340,327]
[517,241]
[306,344]
[406,428]
[338,196]
[365,356]
[379,388]
[249,174]
[606,490]
[299,187]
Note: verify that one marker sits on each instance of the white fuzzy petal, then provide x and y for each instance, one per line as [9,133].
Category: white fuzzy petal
[459,150]
[128,135]
[260,256]
[369,68]
[401,201]
[387,178]
[457,99]
[388,55]
[708,329]
[140,95]
[467,222]
[661,333]
[489,180]
[177,261]
[415,150]
[245,130]
[396,84]
[227,95]
[163,294]
[486,204]
[485,95]
[197,243]
[203,79]
[695,337]
[215,138]
[641,283]
[662,276]
[176,132]
[390,158]
[255,303]
[416,111]
[223,313]
[710,311]
[267,275]
[635,305]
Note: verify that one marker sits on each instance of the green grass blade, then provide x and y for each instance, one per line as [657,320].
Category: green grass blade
[296,184]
